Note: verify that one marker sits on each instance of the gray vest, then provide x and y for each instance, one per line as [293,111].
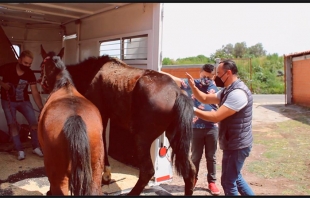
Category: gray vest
[235,132]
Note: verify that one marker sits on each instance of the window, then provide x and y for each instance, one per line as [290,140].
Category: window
[111,48]
[17,50]
[127,48]
[72,36]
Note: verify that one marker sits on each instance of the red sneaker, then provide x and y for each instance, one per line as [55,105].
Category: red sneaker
[213,188]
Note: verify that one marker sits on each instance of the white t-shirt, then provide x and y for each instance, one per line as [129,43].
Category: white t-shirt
[236,99]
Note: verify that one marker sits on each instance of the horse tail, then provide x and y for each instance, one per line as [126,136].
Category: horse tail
[79,151]
[183,132]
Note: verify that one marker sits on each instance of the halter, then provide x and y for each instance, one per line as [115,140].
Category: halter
[43,74]
[43,80]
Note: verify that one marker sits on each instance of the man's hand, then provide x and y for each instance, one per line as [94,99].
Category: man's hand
[183,84]
[195,118]
[211,91]
[6,86]
[190,80]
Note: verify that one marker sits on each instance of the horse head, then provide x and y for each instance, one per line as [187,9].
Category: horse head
[51,68]
[44,54]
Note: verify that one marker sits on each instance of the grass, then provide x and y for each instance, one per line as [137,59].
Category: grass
[287,154]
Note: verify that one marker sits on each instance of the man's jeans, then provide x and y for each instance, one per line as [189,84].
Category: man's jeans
[26,109]
[205,139]
[231,180]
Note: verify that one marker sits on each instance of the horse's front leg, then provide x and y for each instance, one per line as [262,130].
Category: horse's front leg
[106,177]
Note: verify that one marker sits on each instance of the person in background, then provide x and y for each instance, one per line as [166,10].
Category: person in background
[235,124]
[14,97]
[205,133]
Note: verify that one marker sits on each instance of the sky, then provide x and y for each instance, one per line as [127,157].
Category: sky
[192,29]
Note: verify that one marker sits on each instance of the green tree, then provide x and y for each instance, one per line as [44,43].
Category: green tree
[167,61]
[221,53]
[240,50]
[200,59]
[228,49]
[264,77]
[257,50]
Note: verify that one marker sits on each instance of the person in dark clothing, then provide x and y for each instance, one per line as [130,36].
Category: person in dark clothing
[14,97]
[235,124]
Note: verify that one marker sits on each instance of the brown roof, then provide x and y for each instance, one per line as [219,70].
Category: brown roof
[298,53]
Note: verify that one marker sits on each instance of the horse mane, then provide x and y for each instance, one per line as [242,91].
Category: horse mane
[93,64]
[85,71]
[65,79]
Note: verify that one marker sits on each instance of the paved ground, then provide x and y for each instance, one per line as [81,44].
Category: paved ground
[27,177]
[269,98]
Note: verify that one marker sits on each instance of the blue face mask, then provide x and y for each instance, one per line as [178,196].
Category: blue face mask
[205,81]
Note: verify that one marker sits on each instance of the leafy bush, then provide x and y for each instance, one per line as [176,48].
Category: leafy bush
[262,73]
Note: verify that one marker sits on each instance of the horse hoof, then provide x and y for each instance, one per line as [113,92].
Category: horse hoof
[106,182]
[49,193]
[106,177]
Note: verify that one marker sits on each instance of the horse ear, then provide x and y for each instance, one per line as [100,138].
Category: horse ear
[43,53]
[61,53]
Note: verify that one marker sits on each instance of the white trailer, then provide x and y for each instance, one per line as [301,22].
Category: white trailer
[129,31]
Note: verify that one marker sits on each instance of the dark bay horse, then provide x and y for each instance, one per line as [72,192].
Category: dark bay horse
[145,102]
[70,133]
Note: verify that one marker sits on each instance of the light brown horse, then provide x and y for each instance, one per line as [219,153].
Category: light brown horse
[70,133]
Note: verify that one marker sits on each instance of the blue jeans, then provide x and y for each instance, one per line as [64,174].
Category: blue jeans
[205,139]
[231,180]
[26,109]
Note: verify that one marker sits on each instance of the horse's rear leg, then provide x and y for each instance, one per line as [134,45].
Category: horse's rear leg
[97,160]
[49,193]
[97,179]
[186,167]
[60,188]
[146,169]
[189,183]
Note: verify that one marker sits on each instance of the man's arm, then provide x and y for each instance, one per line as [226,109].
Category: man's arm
[214,116]
[6,86]
[176,79]
[236,100]
[201,96]
[36,96]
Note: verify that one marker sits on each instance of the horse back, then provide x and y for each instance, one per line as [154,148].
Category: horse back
[112,88]
[59,107]
[153,99]
[158,89]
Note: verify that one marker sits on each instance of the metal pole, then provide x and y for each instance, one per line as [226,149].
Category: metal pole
[251,75]
[217,62]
